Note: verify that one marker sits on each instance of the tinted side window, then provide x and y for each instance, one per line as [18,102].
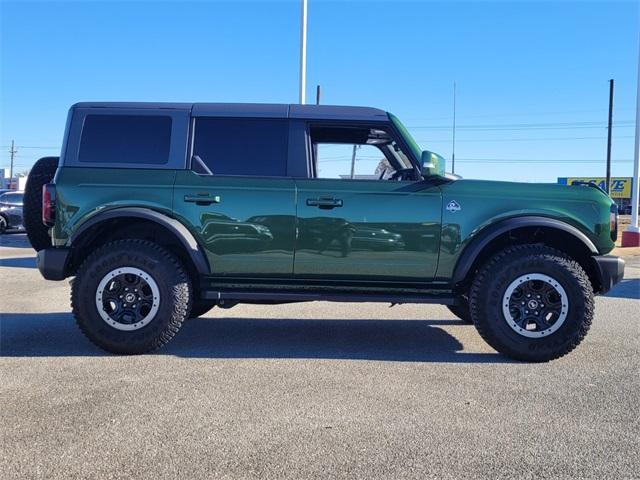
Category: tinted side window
[125,139]
[242,146]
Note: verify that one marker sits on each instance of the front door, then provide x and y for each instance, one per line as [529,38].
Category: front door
[364,215]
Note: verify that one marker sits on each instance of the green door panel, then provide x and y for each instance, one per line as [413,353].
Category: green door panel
[84,192]
[245,224]
[367,229]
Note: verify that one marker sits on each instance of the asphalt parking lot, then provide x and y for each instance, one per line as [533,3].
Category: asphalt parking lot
[315,390]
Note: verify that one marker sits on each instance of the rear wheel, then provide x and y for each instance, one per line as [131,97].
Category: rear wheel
[532,303]
[41,173]
[131,296]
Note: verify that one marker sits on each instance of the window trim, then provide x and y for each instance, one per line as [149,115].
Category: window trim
[388,126]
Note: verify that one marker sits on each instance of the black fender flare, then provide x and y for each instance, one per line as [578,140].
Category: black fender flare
[491,232]
[182,233]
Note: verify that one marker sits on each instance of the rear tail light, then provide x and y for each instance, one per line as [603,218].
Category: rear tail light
[49,204]
[613,222]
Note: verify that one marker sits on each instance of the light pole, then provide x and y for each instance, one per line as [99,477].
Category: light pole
[303,54]
[631,236]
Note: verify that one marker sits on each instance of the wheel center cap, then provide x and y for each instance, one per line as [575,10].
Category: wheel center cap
[129,298]
[532,304]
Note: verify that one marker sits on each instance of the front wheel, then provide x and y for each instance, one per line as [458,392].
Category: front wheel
[532,303]
[131,296]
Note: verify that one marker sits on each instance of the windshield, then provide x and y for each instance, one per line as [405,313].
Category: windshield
[415,148]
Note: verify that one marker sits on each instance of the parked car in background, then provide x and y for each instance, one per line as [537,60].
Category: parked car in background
[11,211]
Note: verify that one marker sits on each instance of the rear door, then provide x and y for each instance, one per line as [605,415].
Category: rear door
[237,197]
[362,213]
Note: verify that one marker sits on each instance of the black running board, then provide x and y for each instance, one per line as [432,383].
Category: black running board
[274,297]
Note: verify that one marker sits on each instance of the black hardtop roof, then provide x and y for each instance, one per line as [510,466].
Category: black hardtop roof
[265,110]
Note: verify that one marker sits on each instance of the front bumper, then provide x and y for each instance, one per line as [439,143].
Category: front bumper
[611,271]
[52,262]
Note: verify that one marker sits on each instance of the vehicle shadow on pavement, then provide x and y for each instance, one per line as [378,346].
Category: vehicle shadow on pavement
[627,288]
[55,334]
[18,262]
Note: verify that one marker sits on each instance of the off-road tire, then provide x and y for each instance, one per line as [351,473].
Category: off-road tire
[200,307]
[461,310]
[489,287]
[166,271]
[41,173]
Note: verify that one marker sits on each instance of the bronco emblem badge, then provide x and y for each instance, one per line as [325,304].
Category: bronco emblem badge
[453,206]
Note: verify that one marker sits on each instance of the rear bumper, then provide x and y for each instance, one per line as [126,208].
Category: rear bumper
[611,271]
[52,262]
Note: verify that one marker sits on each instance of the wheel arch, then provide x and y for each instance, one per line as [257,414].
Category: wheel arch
[526,229]
[138,222]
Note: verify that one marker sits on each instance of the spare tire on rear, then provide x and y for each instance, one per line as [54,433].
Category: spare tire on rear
[41,174]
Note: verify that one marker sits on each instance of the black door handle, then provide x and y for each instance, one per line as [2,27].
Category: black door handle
[324,203]
[202,199]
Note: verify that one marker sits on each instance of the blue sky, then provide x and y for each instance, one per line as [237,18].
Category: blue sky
[531,76]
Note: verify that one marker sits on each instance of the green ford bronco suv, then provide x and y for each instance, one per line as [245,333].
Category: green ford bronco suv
[163,211]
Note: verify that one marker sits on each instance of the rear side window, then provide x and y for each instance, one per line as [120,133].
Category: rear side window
[138,139]
[239,146]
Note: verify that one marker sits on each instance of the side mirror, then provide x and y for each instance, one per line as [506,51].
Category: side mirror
[432,164]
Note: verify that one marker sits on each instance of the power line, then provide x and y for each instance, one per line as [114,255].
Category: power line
[528,114]
[28,146]
[529,126]
[541,160]
[537,139]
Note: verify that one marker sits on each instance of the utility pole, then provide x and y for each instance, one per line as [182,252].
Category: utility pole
[303,54]
[453,148]
[13,152]
[631,236]
[608,181]
[317,94]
